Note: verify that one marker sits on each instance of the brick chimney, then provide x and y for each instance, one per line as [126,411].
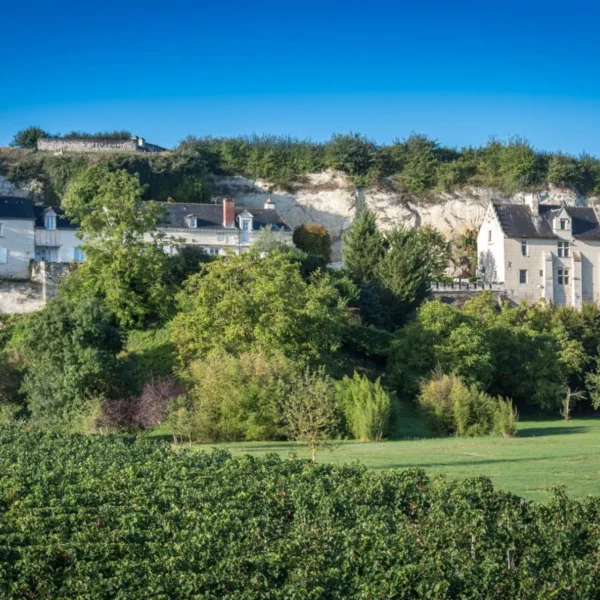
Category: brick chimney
[269,204]
[228,212]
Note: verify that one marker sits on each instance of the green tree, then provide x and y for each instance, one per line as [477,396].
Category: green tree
[352,153]
[419,164]
[70,353]
[242,302]
[126,263]
[363,247]
[403,273]
[313,239]
[28,138]
[310,414]
[564,170]
[367,407]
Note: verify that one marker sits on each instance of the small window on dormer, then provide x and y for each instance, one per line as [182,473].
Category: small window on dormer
[564,223]
[192,222]
[489,235]
[50,222]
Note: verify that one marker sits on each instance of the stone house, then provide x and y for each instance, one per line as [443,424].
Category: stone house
[220,227]
[542,251]
[34,233]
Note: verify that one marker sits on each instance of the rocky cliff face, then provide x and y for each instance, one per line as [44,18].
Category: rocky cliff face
[332,200]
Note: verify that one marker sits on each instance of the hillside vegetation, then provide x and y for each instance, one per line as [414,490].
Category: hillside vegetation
[417,165]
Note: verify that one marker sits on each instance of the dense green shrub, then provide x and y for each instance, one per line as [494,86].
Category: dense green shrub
[69,353]
[233,399]
[313,239]
[103,517]
[244,302]
[367,407]
[451,407]
[28,138]
[418,164]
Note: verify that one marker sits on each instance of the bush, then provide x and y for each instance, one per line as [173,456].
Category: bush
[313,239]
[505,418]
[366,407]
[449,406]
[233,398]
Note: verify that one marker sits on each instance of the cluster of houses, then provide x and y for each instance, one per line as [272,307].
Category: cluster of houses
[533,251]
[29,232]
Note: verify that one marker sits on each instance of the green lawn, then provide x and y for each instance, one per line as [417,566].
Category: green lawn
[546,453]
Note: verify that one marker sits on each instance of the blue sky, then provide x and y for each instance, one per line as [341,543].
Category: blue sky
[457,71]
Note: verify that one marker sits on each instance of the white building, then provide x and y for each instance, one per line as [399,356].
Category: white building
[542,251]
[220,227]
[29,232]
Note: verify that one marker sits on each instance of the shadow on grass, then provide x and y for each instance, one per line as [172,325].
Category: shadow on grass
[545,431]
[461,463]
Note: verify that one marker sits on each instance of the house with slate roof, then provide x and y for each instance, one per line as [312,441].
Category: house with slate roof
[542,251]
[220,227]
[30,232]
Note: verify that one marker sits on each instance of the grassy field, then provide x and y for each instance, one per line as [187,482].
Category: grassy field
[545,453]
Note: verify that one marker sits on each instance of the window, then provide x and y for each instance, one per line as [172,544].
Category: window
[192,222]
[524,247]
[245,225]
[523,276]
[1,229]
[563,249]
[541,273]
[78,255]
[3,255]
[563,276]
[489,235]
[211,251]
[563,224]
[50,222]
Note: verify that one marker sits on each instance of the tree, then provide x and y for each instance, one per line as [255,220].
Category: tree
[70,353]
[243,301]
[28,138]
[419,163]
[367,407]
[403,273]
[309,410]
[313,239]
[363,247]
[126,263]
[352,153]
[268,240]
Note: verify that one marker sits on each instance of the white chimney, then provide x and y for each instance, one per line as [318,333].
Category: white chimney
[533,201]
[269,204]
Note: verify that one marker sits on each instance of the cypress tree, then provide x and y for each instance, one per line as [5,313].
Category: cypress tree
[363,247]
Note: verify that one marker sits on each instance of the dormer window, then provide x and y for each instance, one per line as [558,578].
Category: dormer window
[245,225]
[192,222]
[50,222]
[563,224]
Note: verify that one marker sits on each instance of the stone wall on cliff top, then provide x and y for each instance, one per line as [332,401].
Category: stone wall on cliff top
[331,199]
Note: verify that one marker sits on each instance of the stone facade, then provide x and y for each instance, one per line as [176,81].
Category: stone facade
[557,259]
[16,248]
[32,295]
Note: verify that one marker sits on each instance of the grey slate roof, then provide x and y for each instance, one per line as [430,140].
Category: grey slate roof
[517,221]
[210,216]
[12,207]
[61,220]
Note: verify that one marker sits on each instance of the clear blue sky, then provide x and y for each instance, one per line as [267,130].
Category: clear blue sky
[458,71]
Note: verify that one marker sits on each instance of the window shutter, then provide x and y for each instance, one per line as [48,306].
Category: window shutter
[3,255]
